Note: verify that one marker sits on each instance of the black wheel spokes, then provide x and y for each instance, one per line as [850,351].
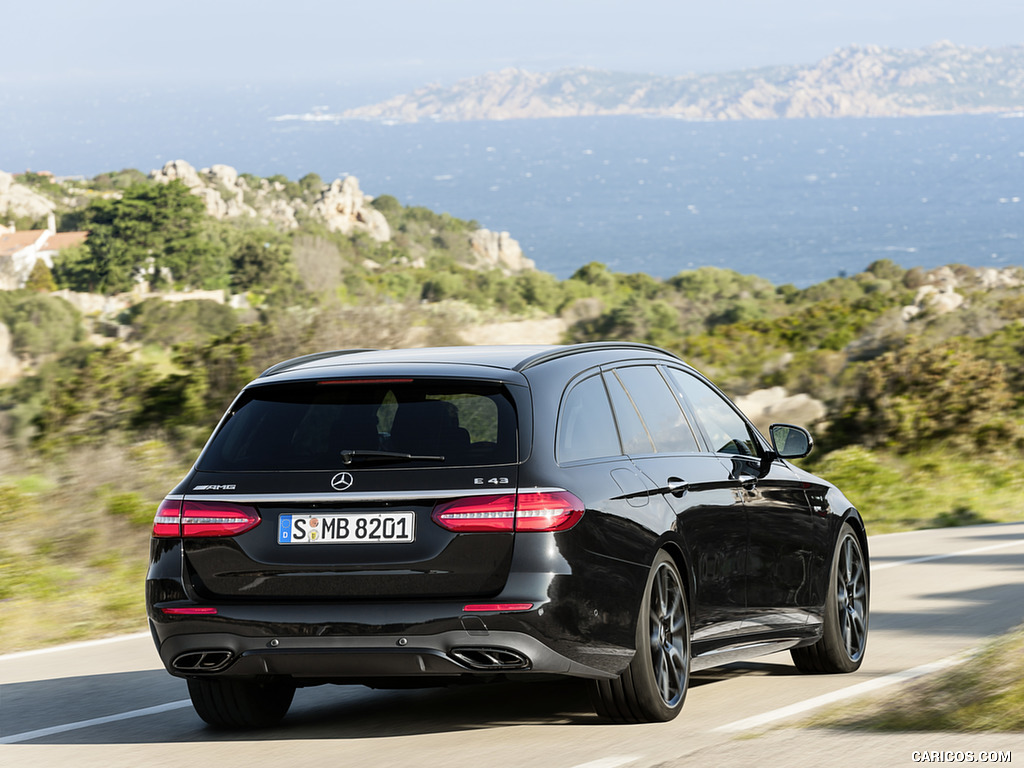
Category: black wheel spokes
[668,633]
[851,589]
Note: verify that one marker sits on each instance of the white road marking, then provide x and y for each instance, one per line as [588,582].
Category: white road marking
[41,732]
[73,646]
[608,762]
[1002,545]
[869,685]
[844,693]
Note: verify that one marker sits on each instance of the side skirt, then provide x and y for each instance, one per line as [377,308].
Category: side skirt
[716,657]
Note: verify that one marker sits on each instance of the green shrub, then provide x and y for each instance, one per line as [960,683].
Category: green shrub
[39,325]
[915,396]
[156,321]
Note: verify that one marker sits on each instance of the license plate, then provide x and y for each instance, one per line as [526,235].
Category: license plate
[353,528]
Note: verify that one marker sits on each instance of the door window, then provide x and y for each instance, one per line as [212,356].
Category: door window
[659,408]
[635,437]
[726,430]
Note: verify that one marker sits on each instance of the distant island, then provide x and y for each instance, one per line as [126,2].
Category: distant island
[858,81]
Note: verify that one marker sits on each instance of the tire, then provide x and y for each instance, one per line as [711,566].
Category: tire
[240,704]
[653,686]
[844,635]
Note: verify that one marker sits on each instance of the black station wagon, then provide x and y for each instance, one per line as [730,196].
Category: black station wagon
[433,516]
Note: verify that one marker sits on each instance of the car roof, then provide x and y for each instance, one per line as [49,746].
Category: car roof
[509,357]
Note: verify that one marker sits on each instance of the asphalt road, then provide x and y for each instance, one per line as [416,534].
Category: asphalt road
[934,595]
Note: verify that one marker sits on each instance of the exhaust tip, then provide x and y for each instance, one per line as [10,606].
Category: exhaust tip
[491,659]
[202,661]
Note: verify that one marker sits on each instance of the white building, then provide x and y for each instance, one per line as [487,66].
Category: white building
[19,251]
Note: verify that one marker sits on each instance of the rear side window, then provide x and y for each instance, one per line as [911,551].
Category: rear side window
[315,425]
[586,428]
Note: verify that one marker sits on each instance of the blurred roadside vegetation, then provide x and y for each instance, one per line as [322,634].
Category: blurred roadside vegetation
[984,693]
[924,424]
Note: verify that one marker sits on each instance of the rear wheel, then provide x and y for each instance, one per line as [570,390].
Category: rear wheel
[845,628]
[227,703]
[653,686]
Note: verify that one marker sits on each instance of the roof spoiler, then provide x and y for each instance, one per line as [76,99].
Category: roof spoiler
[294,362]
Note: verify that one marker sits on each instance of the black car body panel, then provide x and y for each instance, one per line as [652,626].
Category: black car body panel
[752,536]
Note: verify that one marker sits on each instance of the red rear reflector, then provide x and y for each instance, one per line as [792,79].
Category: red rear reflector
[194,611]
[498,607]
[553,511]
[203,518]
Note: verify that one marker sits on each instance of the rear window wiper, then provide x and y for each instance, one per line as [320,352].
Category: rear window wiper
[350,457]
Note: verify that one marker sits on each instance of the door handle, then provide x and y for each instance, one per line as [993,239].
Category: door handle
[676,486]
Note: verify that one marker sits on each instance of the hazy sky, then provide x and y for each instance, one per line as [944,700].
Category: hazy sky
[404,43]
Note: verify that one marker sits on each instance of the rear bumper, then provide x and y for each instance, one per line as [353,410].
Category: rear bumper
[580,625]
[354,659]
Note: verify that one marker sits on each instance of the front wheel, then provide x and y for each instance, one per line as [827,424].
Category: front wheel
[228,703]
[653,686]
[845,627]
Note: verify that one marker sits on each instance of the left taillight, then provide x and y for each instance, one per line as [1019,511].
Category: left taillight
[203,519]
[168,519]
[478,514]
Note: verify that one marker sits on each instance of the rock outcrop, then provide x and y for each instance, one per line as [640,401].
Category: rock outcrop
[498,249]
[775,405]
[10,366]
[17,200]
[938,293]
[226,194]
[346,209]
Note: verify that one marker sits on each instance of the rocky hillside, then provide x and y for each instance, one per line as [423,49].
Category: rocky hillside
[341,205]
[866,81]
[19,201]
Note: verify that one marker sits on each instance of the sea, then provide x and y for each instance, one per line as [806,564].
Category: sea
[794,201]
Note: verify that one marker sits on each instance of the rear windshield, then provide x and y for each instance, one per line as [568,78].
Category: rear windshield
[323,425]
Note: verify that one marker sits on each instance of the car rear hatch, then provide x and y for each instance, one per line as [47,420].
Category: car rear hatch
[337,489]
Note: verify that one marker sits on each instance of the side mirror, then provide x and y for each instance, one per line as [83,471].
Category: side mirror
[790,441]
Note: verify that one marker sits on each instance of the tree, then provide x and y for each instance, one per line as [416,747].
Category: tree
[40,279]
[153,231]
[262,261]
[95,391]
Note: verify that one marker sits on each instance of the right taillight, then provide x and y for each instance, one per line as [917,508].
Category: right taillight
[203,519]
[544,511]
[553,511]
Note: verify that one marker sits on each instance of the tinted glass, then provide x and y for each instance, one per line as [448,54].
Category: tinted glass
[659,409]
[635,438]
[308,426]
[586,428]
[725,428]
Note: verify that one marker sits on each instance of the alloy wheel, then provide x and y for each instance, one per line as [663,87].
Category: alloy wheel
[669,635]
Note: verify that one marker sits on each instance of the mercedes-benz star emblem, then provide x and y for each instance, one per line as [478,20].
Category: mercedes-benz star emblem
[342,481]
